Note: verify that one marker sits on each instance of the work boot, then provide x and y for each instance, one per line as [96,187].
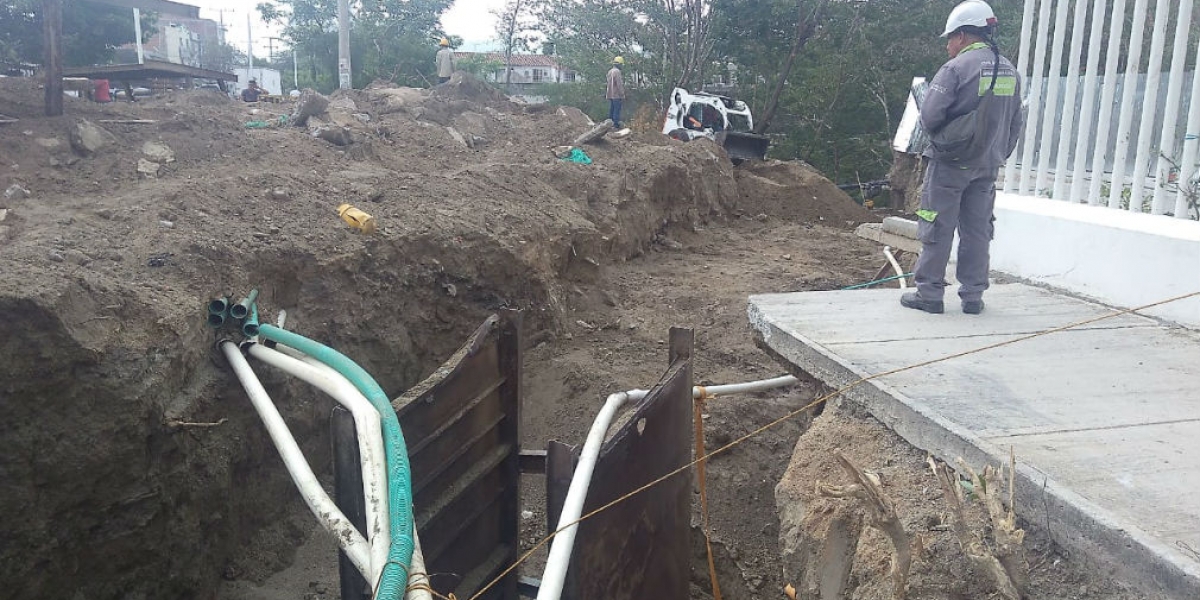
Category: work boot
[972,307]
[915,301]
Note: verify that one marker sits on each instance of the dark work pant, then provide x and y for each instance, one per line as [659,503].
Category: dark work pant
[963,199]
[614,112]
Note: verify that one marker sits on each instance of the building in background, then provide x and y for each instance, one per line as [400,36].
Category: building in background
[182,37]
[528,72]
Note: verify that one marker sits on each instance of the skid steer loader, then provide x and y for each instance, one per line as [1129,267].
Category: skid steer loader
[719,118]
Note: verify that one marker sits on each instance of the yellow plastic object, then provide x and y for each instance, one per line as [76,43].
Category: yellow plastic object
[357,218]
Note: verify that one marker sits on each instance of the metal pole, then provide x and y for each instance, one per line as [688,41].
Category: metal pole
[1061,190]
[1132,66]
[1149,108]
[344,44]
[295,71]
[52,50]
[1010,168]
[1050,122]
[249,48]
[1167,140]
[1086,125]
[137,34]
[1037,78]
[1116,29]
[1191,145]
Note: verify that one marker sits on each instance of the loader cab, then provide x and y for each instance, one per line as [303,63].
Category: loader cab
[703,116]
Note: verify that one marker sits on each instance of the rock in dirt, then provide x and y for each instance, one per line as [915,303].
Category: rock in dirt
[338,136]
[311,103]
[279,195]
[147,168]
[48,143]
[594,134]
[16,192]
[158,152]
[456,135]
[87,138]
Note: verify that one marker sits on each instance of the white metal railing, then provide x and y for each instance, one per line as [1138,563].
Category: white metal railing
[1071,150]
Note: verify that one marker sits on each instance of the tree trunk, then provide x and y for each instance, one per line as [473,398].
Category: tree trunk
[805,28]
[52,55]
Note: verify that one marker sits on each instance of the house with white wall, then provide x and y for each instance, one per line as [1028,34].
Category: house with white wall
[528,72]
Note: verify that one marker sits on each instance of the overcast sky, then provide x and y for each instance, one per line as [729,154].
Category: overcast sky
[471,19]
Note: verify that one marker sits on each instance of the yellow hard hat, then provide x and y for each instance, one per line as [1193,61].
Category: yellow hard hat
[444,42]
[618,61]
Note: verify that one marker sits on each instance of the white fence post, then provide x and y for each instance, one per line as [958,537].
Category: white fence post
[1191,145]
[1010,167]
[1116,30]
[1149,105]
[1166,146]
[1038,76]
[1132,67]
[1085,111]
[1061,191]
[1050,114]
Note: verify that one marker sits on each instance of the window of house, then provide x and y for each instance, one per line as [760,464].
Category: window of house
[569,77]
[539,75]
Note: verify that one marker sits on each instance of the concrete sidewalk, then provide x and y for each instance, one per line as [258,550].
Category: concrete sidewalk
[1104,419]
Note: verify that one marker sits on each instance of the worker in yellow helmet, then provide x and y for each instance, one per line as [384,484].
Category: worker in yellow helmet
[616,92]
[444,61]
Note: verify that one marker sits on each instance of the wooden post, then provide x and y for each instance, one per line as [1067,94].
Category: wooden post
[52,55]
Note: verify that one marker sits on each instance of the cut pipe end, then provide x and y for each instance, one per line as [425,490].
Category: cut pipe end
[250,329]
[239,311]
[218,306]
[216,320]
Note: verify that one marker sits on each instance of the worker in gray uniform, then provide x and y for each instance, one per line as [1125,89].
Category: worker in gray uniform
[960,186]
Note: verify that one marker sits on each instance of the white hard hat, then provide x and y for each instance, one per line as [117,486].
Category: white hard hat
[972,13]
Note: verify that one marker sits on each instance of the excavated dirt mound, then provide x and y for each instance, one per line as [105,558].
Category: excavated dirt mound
[794,190]
[126,447]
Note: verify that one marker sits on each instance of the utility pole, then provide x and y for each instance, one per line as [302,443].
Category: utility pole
[344,44]
[52,55]
[249,47]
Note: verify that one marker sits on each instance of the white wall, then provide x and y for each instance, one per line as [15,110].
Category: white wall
[267,78]
[1117,257]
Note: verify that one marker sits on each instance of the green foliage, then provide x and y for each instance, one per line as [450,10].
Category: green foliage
[91,31]
[390,39]
[479,65]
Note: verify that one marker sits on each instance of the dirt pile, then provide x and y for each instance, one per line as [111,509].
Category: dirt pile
[125,444]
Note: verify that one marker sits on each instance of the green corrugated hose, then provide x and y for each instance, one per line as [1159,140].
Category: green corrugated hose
[394,580]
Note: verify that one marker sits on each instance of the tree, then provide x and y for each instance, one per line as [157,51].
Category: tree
[91,31]
[514,27]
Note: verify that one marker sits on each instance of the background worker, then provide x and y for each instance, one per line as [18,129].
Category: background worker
[444,61]
[252,93]
[960,190]
[616,92]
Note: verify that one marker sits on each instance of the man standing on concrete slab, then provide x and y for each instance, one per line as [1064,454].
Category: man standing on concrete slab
[972,112]
[616,92]
[444,61]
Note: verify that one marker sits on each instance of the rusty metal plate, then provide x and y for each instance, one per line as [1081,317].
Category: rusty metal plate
[640,548]
[461,425]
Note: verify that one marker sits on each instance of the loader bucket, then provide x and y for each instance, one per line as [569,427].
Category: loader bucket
[744,146]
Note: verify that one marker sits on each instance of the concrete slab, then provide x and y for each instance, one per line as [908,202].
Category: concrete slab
[1104,419]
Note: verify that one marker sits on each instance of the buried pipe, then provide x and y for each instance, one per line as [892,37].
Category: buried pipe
[370,443]
[394,579]
[218,309]
[321,505]
[563,544]
[242,309]
[250,326]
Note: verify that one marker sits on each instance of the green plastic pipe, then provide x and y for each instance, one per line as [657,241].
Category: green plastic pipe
[250,327]
[241,310]
[216,320]
[218,306]
[394,580]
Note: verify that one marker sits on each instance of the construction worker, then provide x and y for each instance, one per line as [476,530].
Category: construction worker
[616,91]
[960,188]
[252,93]
[444,61]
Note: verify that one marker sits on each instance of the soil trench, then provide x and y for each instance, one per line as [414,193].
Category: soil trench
[131,463]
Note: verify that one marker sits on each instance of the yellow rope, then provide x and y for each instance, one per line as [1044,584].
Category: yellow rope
[813,404]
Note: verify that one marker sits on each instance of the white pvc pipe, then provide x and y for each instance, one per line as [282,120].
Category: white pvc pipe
[1037,77]
[370,443]
[1010,167]
[1191,144]
[1132,68]
[1149,107]
[1050,123]
[1061,189]
[1116,29]
[347,537]
[417,574]
[561,547]
[1086,126]
[891,258]
[1167,140]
